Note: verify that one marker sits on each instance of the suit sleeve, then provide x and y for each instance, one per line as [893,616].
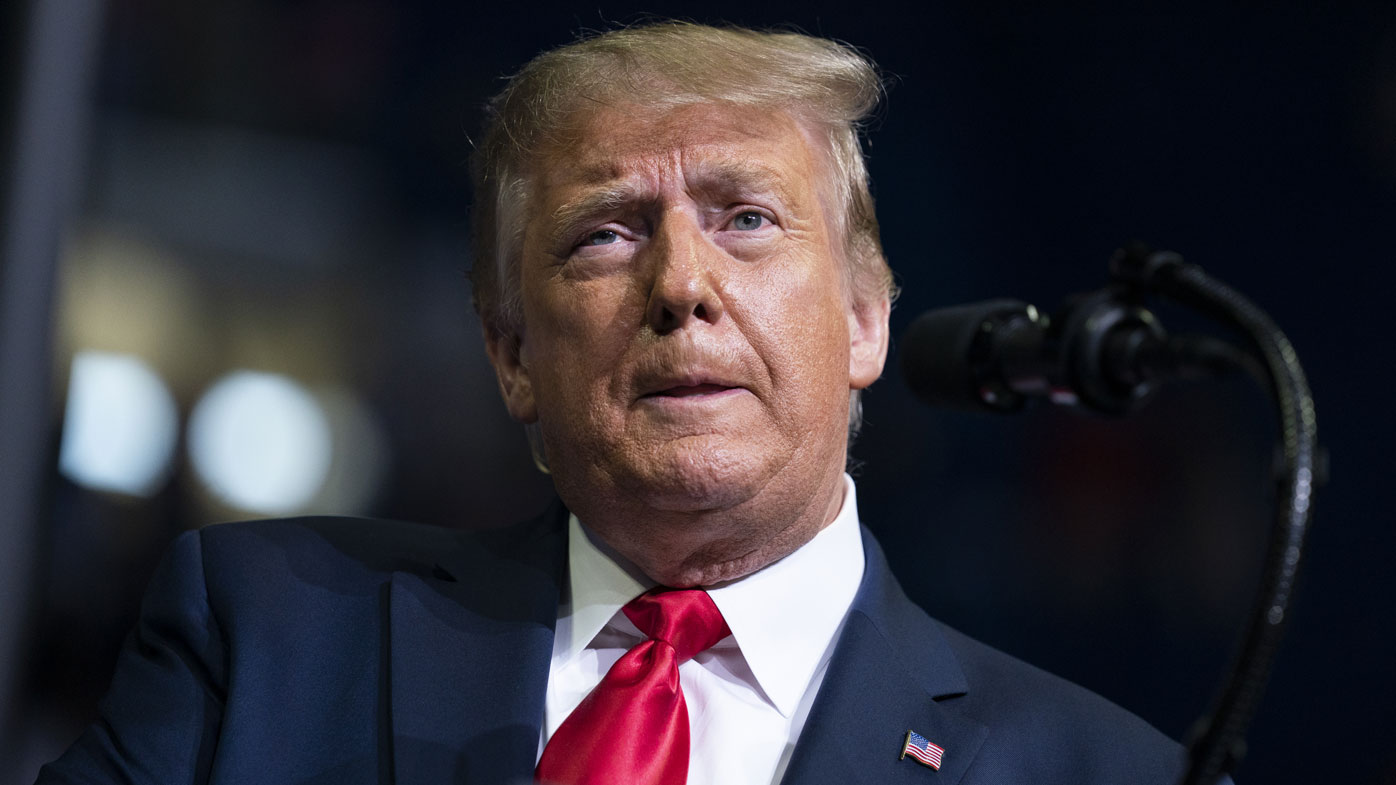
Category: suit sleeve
[159,722]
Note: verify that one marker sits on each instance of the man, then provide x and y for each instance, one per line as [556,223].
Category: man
[683,292]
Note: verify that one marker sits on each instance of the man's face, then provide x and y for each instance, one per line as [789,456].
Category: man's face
[688,340]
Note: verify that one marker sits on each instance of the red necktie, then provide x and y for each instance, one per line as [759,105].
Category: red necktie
[633,728]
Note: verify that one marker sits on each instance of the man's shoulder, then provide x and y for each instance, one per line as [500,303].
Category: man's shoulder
[348,556]
[1033,720]
[1057,724]
[375,543]
[1035,688]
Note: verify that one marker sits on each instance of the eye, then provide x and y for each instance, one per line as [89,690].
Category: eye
[749,221]
[600,237]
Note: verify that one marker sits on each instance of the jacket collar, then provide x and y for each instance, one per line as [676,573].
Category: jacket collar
[467,655]
[892,671]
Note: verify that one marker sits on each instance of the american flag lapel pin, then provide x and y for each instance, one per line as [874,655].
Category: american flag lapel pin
[918,747]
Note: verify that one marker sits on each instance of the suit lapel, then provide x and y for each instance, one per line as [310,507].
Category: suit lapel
[470,639]
[892,671]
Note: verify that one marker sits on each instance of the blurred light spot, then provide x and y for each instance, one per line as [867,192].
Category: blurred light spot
[127,295]
[360,454]
[120,426]
[260,443]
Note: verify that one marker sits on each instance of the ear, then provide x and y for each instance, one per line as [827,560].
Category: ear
[505,349]
[867,340]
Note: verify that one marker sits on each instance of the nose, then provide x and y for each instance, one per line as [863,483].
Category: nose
[685,277]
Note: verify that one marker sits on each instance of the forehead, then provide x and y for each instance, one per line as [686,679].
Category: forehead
[705,144]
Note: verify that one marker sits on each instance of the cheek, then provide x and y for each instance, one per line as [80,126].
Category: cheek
[801,331]
[577,333]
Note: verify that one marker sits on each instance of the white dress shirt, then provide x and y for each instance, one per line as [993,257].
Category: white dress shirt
[747,696]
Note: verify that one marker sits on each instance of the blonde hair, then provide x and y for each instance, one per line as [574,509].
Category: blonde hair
[828,87]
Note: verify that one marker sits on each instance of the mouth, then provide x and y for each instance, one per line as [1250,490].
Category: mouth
[690,390]
[692,385]
[682,377]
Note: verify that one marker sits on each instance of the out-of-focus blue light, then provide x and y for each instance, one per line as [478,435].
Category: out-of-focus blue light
[260,442]
[360,457]
[120,425]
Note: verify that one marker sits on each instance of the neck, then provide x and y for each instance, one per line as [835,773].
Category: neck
[683,549]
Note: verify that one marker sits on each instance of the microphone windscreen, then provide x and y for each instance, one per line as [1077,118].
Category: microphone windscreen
[945,350]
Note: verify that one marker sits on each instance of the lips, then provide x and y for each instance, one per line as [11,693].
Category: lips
[688,383]
[686,390]
[686,371]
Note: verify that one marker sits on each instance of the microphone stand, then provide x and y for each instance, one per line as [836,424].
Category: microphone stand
[1218,741]
[1105,352]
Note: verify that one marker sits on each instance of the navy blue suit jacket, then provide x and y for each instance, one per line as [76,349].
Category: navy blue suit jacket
[334,651]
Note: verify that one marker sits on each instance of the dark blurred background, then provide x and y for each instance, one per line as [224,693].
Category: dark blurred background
[233,286]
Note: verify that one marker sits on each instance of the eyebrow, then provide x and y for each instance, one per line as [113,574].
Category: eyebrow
[569,217]
[718,179]
[729,179]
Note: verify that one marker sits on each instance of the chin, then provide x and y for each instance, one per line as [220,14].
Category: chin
[696,475]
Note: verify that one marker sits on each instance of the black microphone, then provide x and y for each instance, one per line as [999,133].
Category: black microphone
[1103,351]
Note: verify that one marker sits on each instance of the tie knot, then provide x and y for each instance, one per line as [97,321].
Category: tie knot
[686,619]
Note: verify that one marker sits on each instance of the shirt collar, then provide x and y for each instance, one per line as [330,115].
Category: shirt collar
[600,581]
[784,617]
